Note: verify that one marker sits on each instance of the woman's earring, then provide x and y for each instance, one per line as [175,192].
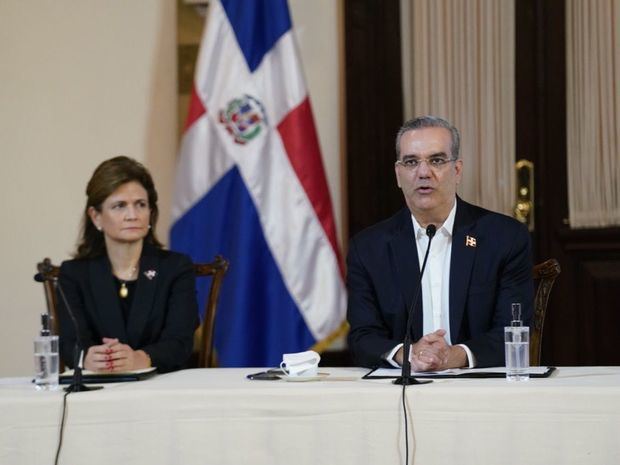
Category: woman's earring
[149,226]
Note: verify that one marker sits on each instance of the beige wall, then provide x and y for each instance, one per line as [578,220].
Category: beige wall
[81,81]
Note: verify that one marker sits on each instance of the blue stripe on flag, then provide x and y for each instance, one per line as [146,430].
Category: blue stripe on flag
[257,320]
[258,24]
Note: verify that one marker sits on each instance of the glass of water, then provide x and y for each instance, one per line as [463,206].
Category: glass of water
[46,362]
[517,346]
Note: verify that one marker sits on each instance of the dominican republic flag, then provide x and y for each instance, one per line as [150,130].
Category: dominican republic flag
[250,186]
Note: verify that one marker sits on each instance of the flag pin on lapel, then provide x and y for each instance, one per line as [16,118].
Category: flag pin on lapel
[150,274]
[470,241]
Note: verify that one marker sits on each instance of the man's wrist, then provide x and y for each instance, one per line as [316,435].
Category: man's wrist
[470,360]
[458,357]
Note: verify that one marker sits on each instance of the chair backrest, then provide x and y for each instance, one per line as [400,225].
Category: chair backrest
[204,334]
[50,273]
[204,340]
[545,273]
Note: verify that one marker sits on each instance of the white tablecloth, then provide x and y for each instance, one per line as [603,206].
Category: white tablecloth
[216,416]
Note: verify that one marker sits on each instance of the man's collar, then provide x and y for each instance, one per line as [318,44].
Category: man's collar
[446,227]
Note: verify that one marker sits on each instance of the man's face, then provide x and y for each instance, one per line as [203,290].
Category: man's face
[429,191]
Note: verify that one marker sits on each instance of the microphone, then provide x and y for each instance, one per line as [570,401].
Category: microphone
[78,357]
[405,376]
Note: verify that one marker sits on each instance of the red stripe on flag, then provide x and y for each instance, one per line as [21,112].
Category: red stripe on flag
[196,109]
[302,146]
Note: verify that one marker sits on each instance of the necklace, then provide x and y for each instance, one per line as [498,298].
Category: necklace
[123,292]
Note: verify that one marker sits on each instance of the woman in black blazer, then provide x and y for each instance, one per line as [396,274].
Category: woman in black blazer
[134,302]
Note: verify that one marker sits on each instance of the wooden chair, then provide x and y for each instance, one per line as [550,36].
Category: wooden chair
[203,341]
[203,338]
[50,273]
[545,273]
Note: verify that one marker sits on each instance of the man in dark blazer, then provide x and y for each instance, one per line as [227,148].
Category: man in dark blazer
[480,263]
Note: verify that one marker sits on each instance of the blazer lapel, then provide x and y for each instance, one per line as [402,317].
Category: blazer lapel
[462,260]
[107,307]
[145,293]
[404,255]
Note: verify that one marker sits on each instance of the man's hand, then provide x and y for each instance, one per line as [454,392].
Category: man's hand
[432,353]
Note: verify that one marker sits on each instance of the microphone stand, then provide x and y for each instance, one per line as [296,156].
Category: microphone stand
[78,357]
[405,377]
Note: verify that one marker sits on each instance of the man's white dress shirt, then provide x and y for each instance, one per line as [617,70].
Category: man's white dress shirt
[435,281]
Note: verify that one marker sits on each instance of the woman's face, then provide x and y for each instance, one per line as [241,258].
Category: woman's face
[125,214]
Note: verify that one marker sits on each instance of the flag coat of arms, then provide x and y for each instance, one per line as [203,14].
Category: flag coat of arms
[250,185]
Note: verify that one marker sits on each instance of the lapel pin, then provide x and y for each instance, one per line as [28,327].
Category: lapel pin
[470,241]
[150,274]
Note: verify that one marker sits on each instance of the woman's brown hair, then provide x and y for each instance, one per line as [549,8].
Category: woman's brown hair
[109,176]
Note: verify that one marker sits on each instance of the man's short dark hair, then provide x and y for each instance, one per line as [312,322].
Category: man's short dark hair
[429,121]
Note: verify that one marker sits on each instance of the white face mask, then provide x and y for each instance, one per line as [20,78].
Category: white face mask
[301,363]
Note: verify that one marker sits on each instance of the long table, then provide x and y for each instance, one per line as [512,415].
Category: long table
[217,416]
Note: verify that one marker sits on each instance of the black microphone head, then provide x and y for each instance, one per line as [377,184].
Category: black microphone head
[42,277]
[431,229]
